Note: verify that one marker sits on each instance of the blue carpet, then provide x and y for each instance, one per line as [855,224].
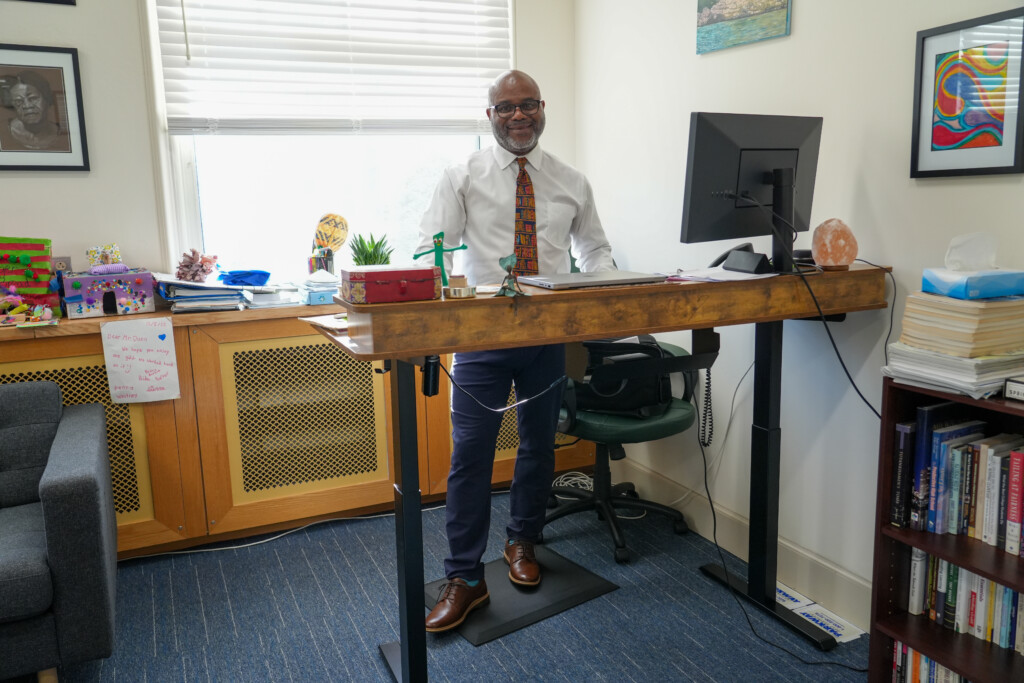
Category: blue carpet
[314,605]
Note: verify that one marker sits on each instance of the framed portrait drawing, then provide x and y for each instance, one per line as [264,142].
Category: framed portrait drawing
[42,126]
[967,98]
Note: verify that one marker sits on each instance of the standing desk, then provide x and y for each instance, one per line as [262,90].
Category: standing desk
[407,332]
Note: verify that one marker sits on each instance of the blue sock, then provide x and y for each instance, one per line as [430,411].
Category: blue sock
[472,584]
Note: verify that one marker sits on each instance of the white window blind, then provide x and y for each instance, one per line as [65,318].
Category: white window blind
[280,66]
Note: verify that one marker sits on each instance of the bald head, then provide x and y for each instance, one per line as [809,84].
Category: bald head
[510,79]
[515,129]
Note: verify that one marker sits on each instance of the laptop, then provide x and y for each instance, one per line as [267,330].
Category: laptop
[600,278]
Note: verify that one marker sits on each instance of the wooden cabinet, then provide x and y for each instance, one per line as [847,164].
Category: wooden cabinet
[972,658]
[275,425]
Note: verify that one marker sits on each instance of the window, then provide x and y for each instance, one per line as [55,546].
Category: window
[278,113]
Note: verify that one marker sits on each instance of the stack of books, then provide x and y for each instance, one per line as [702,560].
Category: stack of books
[967,328]
[969,346]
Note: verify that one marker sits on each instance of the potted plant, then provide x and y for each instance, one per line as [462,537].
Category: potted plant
[370,252]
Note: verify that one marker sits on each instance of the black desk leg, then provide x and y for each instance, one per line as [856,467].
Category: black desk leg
[765,448]
[412,647]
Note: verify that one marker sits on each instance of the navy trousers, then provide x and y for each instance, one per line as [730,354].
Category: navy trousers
[488,376]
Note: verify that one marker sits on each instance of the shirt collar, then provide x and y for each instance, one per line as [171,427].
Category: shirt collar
[505,158]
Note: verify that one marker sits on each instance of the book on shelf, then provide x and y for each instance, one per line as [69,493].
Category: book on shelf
[992,456]
[903,457]
[941,576]
[952,587]
[938,483]
[928,417]
[964,595]
[1018,643]
[998,602]
[917,585]
[1015,484]
[990,609]
[1004,494]
[981,611]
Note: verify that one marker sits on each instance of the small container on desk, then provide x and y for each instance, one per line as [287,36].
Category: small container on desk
[385,284]
[316,297]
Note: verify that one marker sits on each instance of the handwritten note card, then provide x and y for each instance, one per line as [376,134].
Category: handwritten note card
[141,365]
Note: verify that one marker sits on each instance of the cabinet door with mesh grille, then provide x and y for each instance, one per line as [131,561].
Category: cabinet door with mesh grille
[290,427]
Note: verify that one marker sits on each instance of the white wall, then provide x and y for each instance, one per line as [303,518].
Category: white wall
[637,80]
[115,201]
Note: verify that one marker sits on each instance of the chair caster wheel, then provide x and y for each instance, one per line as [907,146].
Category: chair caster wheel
[680,526]
[622,555]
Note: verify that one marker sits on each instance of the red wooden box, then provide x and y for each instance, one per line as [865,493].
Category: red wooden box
[382,284]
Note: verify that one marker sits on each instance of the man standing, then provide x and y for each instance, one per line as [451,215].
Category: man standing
[512,198]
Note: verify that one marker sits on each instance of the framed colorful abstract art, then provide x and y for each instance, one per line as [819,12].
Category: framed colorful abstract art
[967,98]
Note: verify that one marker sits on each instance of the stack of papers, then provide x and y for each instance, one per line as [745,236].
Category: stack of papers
[319,281]
[978,377]
[715,274]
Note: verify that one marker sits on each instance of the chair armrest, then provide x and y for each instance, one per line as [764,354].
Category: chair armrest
[81,534]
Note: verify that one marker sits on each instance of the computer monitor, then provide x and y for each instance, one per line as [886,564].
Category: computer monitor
[772,159]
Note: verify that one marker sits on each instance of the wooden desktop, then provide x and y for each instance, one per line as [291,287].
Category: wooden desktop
[406,333]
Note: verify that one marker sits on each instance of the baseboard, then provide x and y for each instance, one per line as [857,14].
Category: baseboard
[823,581]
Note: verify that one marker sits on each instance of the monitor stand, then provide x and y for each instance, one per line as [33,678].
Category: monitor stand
[781,209]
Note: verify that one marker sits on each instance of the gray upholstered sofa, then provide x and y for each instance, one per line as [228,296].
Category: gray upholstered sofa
[58,531]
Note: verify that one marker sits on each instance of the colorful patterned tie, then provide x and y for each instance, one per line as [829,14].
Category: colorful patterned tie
[526,224]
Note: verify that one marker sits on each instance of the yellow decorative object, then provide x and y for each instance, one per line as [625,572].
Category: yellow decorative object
[331,232]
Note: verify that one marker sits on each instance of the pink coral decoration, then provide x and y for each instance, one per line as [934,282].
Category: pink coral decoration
[195,267]
[833,245]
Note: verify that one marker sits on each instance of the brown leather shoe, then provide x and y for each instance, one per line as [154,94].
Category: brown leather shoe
[456,601]
[522,563]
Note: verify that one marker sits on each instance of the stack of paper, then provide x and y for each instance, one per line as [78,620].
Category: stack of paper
[964,327]
[977,377]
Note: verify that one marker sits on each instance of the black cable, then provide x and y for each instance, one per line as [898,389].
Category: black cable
[821,314]
[706,431]
[554,384]
[732,589]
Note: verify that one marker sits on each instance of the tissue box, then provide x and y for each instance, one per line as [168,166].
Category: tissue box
[128,292]
[384,284]
[978,284]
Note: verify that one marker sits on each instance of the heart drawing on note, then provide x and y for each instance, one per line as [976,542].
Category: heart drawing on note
[162,336]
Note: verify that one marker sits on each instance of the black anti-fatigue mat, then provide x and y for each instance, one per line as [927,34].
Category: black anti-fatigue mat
[564,584]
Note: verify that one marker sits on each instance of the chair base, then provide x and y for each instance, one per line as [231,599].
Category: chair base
[605,498]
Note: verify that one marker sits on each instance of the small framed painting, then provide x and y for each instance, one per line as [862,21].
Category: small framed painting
[42,127]
[967,98]
[728,23]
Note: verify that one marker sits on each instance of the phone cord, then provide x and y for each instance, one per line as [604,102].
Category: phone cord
[706,431]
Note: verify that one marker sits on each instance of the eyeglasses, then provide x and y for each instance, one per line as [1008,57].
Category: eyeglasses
[507,109]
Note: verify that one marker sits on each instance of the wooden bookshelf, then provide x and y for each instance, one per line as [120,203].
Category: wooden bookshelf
[978,661]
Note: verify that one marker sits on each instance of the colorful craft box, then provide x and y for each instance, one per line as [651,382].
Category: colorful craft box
[384,284]
[26,266]
[127,292]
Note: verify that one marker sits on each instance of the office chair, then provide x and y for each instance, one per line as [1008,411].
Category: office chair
[611,431]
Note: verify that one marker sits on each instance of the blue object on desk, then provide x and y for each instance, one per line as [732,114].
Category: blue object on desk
[317,297]
[977,284]
[245,278]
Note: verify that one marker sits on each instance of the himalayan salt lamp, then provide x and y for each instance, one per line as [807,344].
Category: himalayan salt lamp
[833,245]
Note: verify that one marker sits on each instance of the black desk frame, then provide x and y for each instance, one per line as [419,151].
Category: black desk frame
[765,457]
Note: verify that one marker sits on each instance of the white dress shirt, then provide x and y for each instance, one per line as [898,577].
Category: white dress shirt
[474,204]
